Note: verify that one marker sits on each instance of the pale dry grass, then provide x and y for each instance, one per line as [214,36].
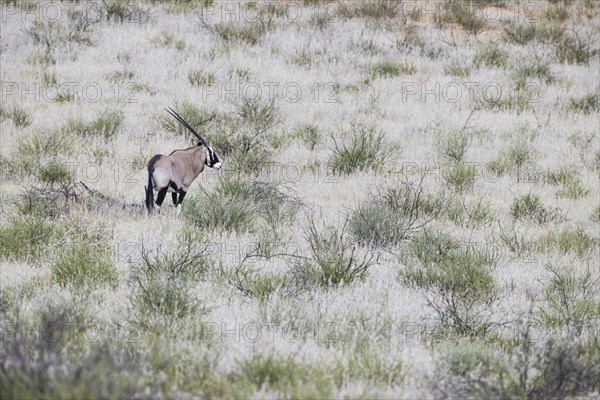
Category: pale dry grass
[379,312]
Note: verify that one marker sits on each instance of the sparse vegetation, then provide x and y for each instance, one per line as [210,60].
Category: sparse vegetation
[459,278]
[491,55]
[529,206]
[362,238]
[85,265]
[331,260]
[106,125]
[392,69]
[362,148]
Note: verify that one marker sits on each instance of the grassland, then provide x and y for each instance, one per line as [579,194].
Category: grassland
[409,204]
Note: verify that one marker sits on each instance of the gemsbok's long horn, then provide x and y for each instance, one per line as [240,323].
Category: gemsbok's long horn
[184,123]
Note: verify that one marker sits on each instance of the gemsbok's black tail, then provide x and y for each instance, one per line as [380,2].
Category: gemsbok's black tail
[149,185]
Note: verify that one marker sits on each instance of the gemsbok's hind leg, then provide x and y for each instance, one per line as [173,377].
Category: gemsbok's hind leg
[161,197]
[181,196]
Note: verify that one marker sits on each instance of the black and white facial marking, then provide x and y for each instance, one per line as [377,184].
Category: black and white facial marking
[212,159]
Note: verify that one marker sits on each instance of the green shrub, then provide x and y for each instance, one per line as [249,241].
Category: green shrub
[586,104]
[24,239]
[574,48]
[85,265]
[459,278]
[460,176]
[530,70]
[576,241]
[55,171]
[530,207]
[526,367]
[309,133]
[561,176]
[378,225]
[517,242]
[244,137]
[392,69]
[250,33]
[365,364]
[491,55]
[283,375]
[106,125]
[21,118]
[200,78]
[461,13]
[470,369]
[362,149]
[253,284]
[573,190]
[124,11]
[516,160]
[454,146]
[376,9]
[472,215]
[166,39]
[237,205]
[571,299]
[393,215]
[457,69]
[595,217]
[162,283]
[331,259]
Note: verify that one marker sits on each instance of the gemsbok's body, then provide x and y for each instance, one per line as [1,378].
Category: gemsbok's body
[176,172]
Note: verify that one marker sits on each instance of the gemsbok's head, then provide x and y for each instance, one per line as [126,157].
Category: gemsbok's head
[176,172]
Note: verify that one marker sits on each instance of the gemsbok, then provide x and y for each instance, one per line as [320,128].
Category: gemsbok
[176,172]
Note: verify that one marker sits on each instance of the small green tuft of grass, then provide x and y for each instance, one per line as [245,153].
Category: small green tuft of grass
[516,160]
[363,149]
[24,239]
[530,207]
[462,14]
[530,70]
[459,278]
[454,146]
[238,205]
[250,33]
[283,375]
[55,172]
[85,265]
[166,39]
[332,260]
[476,214]
[21,118]
[392,69]
[571,185]
[310,135]
[576,241]
[200,78]
[460,176]
[457,69]
[107,125]
[37,147]
[587,104]
[393,215]
[571,299]
[491,55]
[595,217]
[162,282]
[376,9]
